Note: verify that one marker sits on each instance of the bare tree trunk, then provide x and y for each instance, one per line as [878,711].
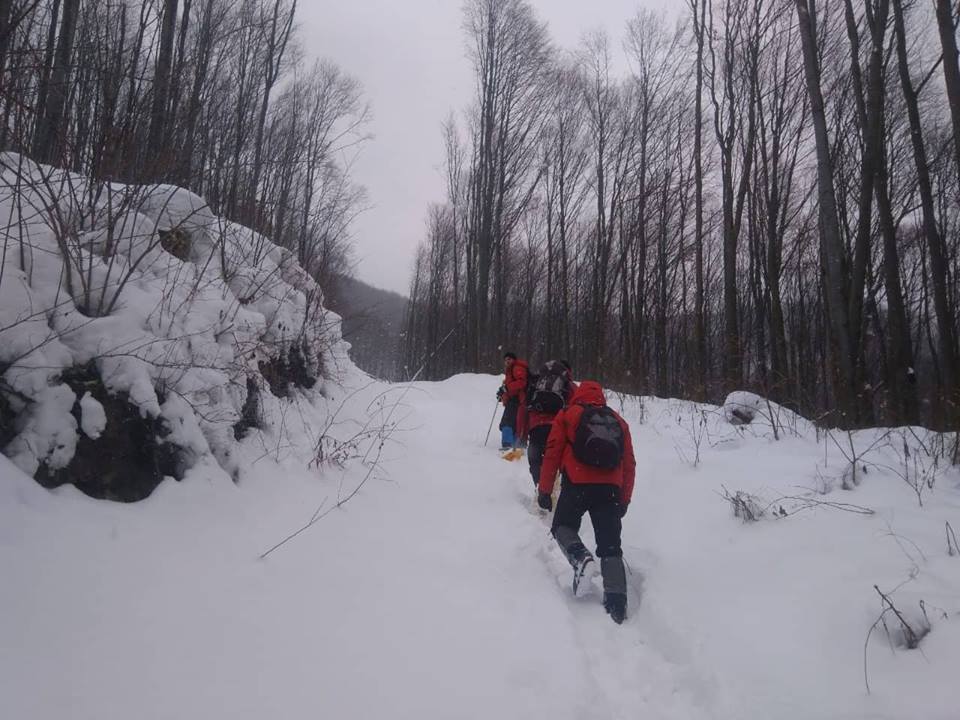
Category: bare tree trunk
[951,70]
[734,111]
[831,245]
[938,260]
[49,137]
[159,121]
[177,76]
[194,104]
[9,22]
[868,120]
[280,29]
[699,331]
[899,349]
[5,30]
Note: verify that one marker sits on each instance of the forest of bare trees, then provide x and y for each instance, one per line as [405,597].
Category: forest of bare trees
[213,95]
[767,198]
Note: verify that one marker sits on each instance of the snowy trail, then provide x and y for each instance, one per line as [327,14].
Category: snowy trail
[437,591]
[626,674]
[639,667]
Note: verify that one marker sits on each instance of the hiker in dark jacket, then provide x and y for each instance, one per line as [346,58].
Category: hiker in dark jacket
[550,394]
[590,445]
[513,395]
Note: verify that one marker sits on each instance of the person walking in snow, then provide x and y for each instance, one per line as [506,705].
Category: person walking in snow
[590,445]
[513,395]
[550,393]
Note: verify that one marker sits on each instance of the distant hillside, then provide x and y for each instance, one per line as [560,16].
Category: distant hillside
[372,322]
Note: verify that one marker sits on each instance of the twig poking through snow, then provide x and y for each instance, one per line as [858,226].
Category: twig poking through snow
[807,503]
[897,538]
[316,516]
[751,508]
[911,637]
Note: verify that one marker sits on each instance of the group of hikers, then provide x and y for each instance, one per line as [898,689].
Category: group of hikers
[569,429]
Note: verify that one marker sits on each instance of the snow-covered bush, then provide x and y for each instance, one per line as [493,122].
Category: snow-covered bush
[921,458]
[134,312]
[746,506]
[694,424]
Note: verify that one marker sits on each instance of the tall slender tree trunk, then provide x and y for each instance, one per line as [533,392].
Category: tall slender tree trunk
[43,89]
[194,104]
[280,29]
[699,329]
[935,246]
[868,102]
[564,261]
[49,139]
[6,30]
[831,244]
[899,347]
[179,59]
[951,69]
[159,121]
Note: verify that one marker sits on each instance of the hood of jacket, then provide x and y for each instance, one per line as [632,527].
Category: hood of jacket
[588,393]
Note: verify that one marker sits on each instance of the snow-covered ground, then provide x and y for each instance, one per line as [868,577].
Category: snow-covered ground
[436,591]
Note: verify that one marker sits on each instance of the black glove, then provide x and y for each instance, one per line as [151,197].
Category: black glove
[501,392]
[623,508]
[545,501]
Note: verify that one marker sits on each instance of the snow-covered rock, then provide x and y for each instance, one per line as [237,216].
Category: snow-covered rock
[742,407]
[174,309]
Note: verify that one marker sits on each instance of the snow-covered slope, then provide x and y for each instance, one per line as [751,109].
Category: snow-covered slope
[436,591]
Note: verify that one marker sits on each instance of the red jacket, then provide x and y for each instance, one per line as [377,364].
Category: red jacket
[559,454]
[516,382]
[536,419]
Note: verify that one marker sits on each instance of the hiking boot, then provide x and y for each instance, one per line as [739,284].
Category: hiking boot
[616,606]
[614,575]
[583,573]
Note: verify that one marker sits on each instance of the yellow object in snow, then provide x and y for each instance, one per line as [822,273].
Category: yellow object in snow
[512,455]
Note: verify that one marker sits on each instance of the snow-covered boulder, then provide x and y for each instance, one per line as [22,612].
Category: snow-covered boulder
[135,325]
[742,407]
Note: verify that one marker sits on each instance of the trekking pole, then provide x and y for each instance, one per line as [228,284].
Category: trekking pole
[492,418]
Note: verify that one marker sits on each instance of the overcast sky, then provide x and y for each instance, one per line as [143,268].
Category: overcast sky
[410,57]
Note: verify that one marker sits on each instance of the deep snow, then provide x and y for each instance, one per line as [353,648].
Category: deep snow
[436,592]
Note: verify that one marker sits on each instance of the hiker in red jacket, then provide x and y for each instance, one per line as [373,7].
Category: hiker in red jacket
[590,445]
[513,395]
[549,394]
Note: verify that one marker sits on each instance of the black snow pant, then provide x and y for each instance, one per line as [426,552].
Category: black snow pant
[603,504]
[508,423]
[509,417]
[536,447]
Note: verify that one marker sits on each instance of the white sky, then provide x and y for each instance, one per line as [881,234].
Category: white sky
[409,55]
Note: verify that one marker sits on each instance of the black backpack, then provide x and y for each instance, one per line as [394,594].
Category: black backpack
[549,390]
[599,438]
